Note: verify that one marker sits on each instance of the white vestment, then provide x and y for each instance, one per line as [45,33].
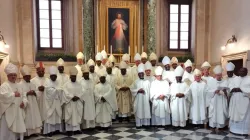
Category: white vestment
[141,103]
[62,78]
[239,107]
[11,115]
[179,108]
[160,108]
[73,110]
[40,81]
[168,76]
[218,104]
[79,69]
[189,76]
[52,97]
[100,69]
[111,79]
[33,119]
[94,77]
[104,110]
[115,71]
[134,73]
[198,106]
[88,118]
[149,78]
[153,70]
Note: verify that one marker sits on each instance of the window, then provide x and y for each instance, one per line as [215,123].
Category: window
[49,24]
[179,25]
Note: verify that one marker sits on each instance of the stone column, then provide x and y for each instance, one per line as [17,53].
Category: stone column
[151,39]
[88,28]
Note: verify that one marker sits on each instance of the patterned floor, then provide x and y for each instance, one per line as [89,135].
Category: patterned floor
[127,131]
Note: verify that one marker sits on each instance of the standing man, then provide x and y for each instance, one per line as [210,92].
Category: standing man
[148,71]
[230,73]
[92,74]
[88,118]
[167,74]
[239,107]
[174,63]
[124,96]
[39,82]
[198,106]
[159,96]
[72,98]
[137,60]
[179,95]
[144,57]
[99,68]
[205,72]
[105,102]
[115,70]
[61,76]
[12,105]
[218,100]
[126,58]
[140,89]
[52,96]
[33,119]
[153,59]
[80,62]
[188,76]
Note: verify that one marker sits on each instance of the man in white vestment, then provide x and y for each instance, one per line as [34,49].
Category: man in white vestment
[153,59]
[144,57]
[137,60]
[217,97]
[88,118]
[141,90]
[230,73]
[148,70]
[80,62]
[105,102]
[61,76]
[72,99]
[115,70]
[111,79]
[99,68]
[104,57]
[239,107]
[126,58]
[92,74]
[39,82]
[167,74]
[124,96]
[188,76]
[33,119]
[159,96]
[52,97]
[178,103]
[174,63]
[12,105]
[205,72]
[198,106]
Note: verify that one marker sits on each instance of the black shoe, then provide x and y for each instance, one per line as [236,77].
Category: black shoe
[138,127]
[113,120]
[78,132]
[50,134]
[128,119]
[120,119]
[69,133]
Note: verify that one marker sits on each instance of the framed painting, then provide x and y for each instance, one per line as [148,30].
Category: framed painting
[118,30]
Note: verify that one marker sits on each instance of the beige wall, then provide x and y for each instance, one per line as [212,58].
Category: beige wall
[229,17]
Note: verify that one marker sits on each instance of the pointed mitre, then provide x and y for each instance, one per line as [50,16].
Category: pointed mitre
[25,70]
[91,63]
[179,71]
[188,63]
[153,56]
[144,55]
[205,65]
[165,60]
[104,54]
[158,70]
[174,60]
[73,71]
[218,69]
[137,57]
[230,66]
[80,55]
[60,62]
[148,66]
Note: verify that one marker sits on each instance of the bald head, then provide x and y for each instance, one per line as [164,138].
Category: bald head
[243,72]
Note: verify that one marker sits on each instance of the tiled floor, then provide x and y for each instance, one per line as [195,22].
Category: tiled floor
[129,132]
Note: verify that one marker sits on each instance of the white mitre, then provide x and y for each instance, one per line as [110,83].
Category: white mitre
[98,57]
[60,62]
[73,71]
[123,65]
[141,68]
[109,64]
[205,65]
[230,66]
[144,55]
[218,69]
[174,60]
[25,70]
[11,68]
[104,54]
[148,66]
[53,70]
[158,70]
[112,58]
[178,71]
[165,60]
[137,57]
[153,56]
[125,57]
[80,55]
[91,63]
[188,63]
[84,69]
[197,72]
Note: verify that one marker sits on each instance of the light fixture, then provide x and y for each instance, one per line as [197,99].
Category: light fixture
[2,42]
[230,43]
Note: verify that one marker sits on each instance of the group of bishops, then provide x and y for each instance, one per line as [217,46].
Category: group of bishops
[95,93]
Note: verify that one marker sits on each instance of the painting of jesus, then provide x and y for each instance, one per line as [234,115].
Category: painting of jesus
[119,30]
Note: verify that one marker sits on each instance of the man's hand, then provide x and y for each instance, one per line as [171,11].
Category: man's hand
[31,92]
[141,91]
[162,97]
[17,94]
[239,90]
[22,105]
[75,98]
[217,91]
[41,88]
[103,100]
